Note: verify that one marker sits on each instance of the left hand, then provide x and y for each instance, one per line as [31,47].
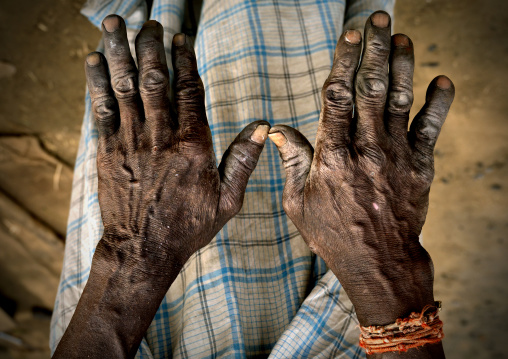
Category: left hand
[360,200]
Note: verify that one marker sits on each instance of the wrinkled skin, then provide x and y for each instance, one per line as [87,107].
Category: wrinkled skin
[158,182]
[360,198]
[161,195]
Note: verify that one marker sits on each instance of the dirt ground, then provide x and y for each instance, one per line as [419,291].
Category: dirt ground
[42,49]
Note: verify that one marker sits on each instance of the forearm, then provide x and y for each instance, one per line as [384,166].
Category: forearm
[117,305]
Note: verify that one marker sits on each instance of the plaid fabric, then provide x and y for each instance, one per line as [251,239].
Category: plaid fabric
[256,290]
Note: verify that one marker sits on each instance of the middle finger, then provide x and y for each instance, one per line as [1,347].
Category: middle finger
[154,81]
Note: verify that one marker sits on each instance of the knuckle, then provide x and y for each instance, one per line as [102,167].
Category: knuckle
[191,144]
[371,88]
[378,48]
[400,101]
[435,116]
[294,161]
[428,133]
[338,95]
[243,158]
[154,82]
[190,93]
[104,109]
[346,62]
[98,85]
[125,85]
[190,87]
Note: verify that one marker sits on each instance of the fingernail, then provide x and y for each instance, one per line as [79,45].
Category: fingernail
[179,39]
[443,82]
[111,23]
[93,59]
[260,133]
[380,19]
[150,23]
[401,40]
[278,138]
[353,36]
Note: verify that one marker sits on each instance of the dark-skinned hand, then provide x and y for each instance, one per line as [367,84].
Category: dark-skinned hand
[160,191]
[161,194]
[360,198]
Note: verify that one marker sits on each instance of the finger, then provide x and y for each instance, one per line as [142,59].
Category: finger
[337,93]
[124,75]
[189,96]
[237,165]
[104,105]
[372,79]
[400,92]
[427,124]
[154,80]
[296,153]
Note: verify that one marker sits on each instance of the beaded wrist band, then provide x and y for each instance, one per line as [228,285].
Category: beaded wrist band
[416,330]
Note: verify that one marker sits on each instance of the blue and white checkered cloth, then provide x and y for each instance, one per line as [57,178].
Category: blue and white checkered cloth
[256,290]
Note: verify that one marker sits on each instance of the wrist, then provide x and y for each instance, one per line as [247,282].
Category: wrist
[386,309]
[139,258]
[380,296]
[117,305]
[386,284]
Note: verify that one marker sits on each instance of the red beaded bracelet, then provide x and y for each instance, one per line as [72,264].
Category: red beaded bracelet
[416,330]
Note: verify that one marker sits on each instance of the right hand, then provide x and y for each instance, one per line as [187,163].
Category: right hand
[360,200]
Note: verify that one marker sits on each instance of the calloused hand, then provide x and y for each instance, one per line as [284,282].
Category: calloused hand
[160,192]
[161,195]
[361,198]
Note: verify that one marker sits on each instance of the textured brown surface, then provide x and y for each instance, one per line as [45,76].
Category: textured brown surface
[467,223]
[30,263]
[36,180]
[42,48]
[46,42]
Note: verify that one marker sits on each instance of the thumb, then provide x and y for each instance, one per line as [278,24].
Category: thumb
[238,163]
[296,153]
